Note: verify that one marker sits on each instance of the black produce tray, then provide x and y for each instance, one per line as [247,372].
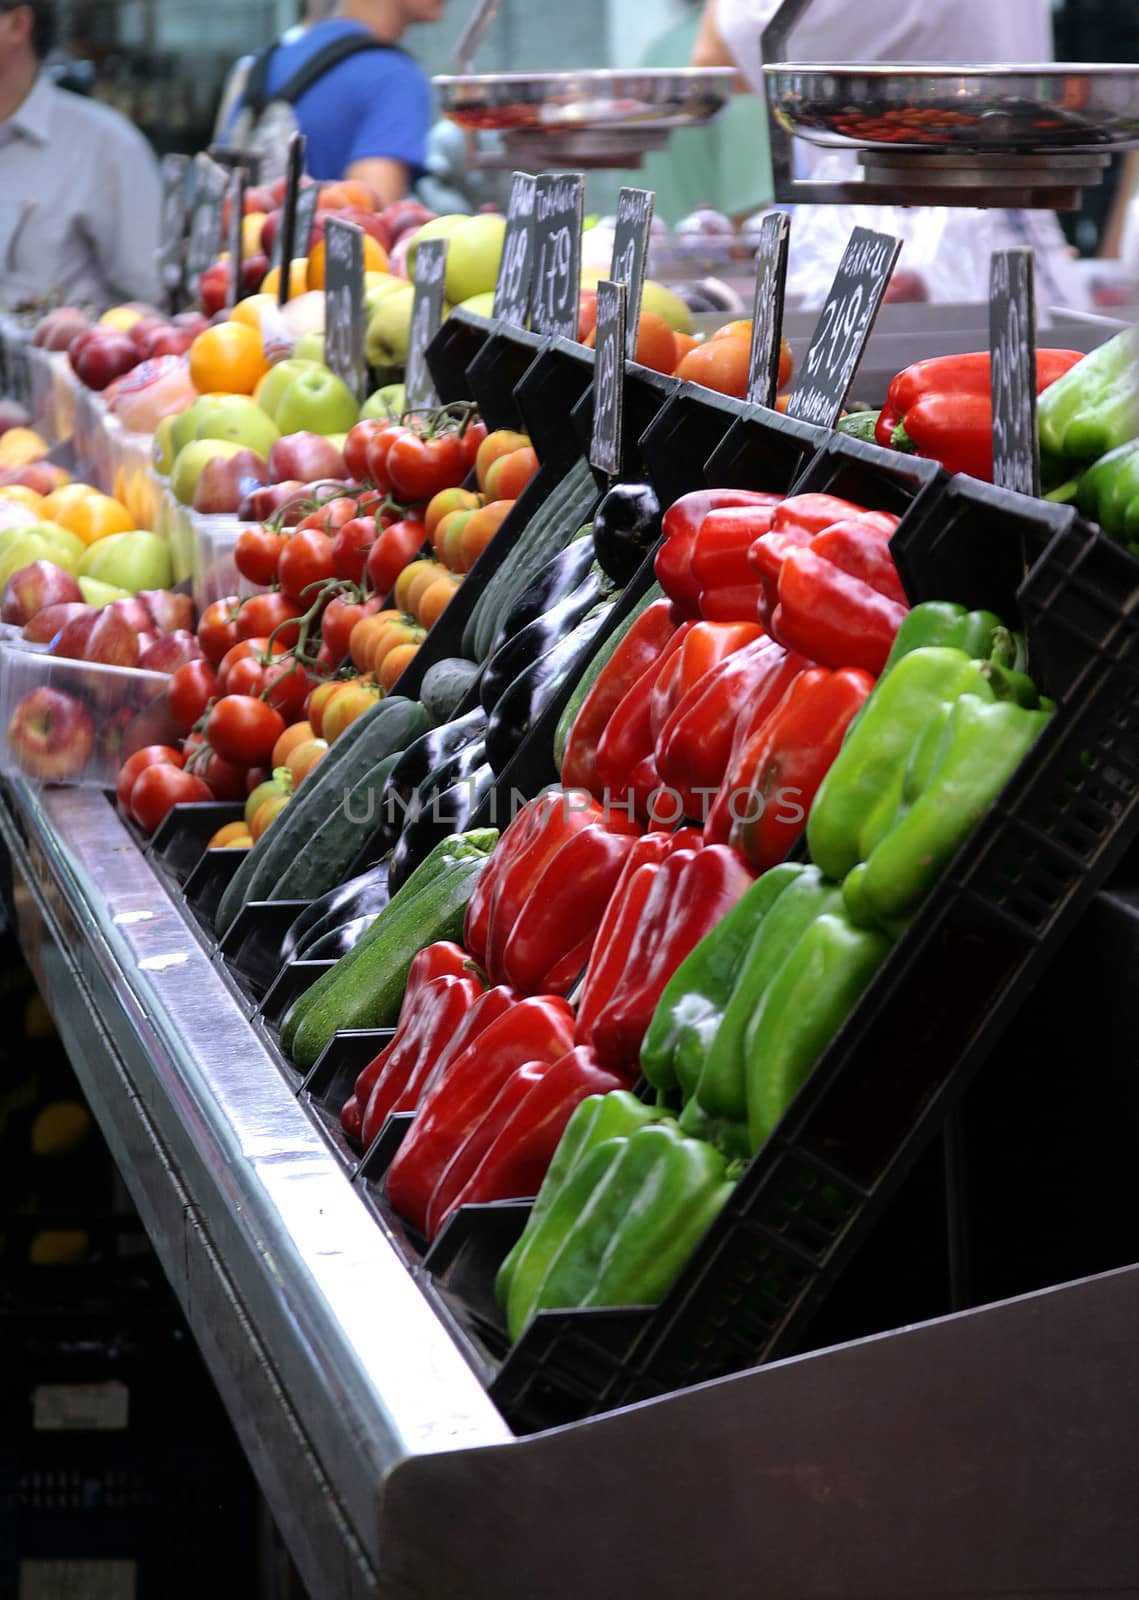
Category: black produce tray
[207,882]
[369,1180]
[453,349]
[646,393]
[496,370]
[332,1079]
[251,945]
[546,393]
[971,957]
[700,437]
[180,840]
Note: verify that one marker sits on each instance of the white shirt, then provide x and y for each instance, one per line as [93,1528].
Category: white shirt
[80,201]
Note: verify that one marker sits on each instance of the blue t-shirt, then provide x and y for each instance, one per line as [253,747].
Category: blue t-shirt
[374,105]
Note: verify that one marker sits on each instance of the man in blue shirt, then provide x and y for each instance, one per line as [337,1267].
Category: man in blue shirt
[367,117]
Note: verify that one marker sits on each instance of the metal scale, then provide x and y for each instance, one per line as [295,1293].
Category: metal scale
[1026,135]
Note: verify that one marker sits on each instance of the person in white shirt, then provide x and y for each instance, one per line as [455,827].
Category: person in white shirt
[80,194]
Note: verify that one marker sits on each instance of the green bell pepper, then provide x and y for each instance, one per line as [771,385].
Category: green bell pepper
[1094,407]
[814,991]
[1108,492]
[980,634]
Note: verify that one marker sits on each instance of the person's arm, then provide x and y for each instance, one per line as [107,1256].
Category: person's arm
[710,49]
[388,178]
[126,221]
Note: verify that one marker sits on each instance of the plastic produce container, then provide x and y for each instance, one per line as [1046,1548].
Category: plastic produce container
[75,722]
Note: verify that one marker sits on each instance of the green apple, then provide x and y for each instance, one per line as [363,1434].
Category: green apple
[278,379]
[337,440]
[481,304]
[247,425]
[473,254]
[101,594]
[384,404]
[187,423]
[438,228]
[379,292]
[189,465]
[162,451]
[310,347]
[317,402]
[668,305]
[130,561]
[70,546]
[32,547]
[389,330]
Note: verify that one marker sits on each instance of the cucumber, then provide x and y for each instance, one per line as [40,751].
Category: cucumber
[334,846]
[365,988]
[384,728]
[445,687]
[594,668]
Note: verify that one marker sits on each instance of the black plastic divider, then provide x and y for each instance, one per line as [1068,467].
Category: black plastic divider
[496,371]
[691,426]
[251,943]
[207,883]
[453,349]
[546,394]
[331,1081]
[181,837]
[886,480]
[291,982]
[456,1268]
[647,393]
[369,1179]
[761,449]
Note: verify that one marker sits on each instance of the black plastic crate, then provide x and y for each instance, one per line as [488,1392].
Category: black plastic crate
[495,371]
[886,480]
[695,440]
[452,351]
[646,393]
[369,1180]
[251,945]
[331,1081]
[206,884]
[953,982]
[180,840]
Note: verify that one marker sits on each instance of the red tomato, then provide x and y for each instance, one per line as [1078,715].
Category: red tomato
[158,789]
[306,562]
[376,453]
[261,614]
[340,617]
[189,692]
[224,780]
[256,553]
[286,687]
[391,552]
[324,664]
[152,756]
[419,468]
[473,436]
[245,650]
[355,450]
[244,730]
[330,517]
[255,777]
[350,548]
[246,676]
[217,630]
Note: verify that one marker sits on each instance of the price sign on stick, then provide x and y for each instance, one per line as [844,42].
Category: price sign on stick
[235,236]
[767,323]
[206,219]
[344,305]
[426,317]
[1012,340]
[630,254]
[609,378]
[516,269]
[557,286]
[170,257]
[307,200]
[283,245]
[842,331]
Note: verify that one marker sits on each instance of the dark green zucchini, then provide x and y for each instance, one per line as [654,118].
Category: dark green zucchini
[361,815]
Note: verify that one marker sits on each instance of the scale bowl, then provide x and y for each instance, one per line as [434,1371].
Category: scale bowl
[558,103]
[1018,110]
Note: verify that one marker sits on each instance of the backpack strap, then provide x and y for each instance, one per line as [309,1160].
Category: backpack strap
[323,62]
[254,98]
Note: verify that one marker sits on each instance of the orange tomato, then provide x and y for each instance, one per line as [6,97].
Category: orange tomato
[741,328]
[302,760]
[684,343]
[267,812]
[297,734]
[298,279]
[786,364]
[480,530]
[94,517]
[375,260]
[499,443]
[363,637]
[721,364]
[419,570]
[435,599]
[781,403]
[233,835]
[349,194]
[350,702]
[446,501]
[249,310]
[394,663]
[509,475]
[393,635]
[656,343]
[314,709]
[228,356]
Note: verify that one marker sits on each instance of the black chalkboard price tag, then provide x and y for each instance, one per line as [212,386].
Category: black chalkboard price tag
[842,331]
[557,287]
[171,260]
[631,253]
[283,245]
[344,304]
[609,378]
[1012,340]
[426,317]
[767,317]
[307,200]
[516,269]
[206,219]
[235,236]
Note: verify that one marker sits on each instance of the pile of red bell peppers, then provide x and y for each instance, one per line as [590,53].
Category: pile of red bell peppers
[689,769]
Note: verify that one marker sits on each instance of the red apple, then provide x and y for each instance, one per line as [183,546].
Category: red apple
[13,415]
[170,612]
[112,642]
[261,504]
[586,314]
[371,222]
[213,288]
[41,476]
[277,191]
[226,480]
[134,611]
[44,626]
[305,456]
[170,652]
[51,734]
[72,642]
[101,356]
[397,255]
[140,331]
[164,340]
[257,199]
[405,216]
[254,271]
[59,328]
[35,587]
[906,285]
[269,230]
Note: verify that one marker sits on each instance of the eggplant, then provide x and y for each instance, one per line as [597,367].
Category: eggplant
[625,528]
[429,752]
[535,687]
[442,806]
[522,649]
[360,896]
[339,940]
[552,583]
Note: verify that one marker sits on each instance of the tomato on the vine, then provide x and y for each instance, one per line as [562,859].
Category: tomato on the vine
[255,650]
[306,561]
[472,436]
[217,630]
[286,686]
[446,501]
[159,788]
[355,450]
[256,553]
[261,614]
[391,552]
[340,617]
[331,516]
[419,467]
[191,688]
[377,450]
[224,780]
[244,730]
[153,755]
[350,548]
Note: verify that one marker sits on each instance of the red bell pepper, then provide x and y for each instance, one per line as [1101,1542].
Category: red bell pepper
[813,513]
[691,892]
[782,670]
[486,1011]
[864,552]
[680,527]
[638,651]
[831,617]
[792,754]
[705,646]
[507,1154]
[515,838]
[619,924]
[550,942]
[539,1028]
[728,588]
[624,763]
